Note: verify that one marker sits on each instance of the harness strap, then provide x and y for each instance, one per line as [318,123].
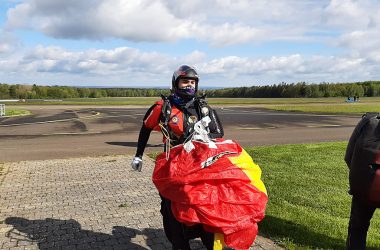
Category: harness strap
[166,110]
[198,102]
[164,121]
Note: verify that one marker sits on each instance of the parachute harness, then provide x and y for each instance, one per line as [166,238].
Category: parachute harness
[165,132]
[164,120]
[200,130]
[200,133]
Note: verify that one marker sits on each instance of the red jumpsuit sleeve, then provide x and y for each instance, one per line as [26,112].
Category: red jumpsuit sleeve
[153,118]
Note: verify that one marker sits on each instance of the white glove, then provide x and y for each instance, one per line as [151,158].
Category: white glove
[136,163]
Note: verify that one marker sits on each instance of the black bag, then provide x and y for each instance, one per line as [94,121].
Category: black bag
[363,159]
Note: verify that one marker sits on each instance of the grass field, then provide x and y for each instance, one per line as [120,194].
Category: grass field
[308,205]
[289,101]
[315,105]
[16,112]
[212,101]
[328,108]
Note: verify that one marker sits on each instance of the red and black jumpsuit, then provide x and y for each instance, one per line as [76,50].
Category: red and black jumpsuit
[180,125]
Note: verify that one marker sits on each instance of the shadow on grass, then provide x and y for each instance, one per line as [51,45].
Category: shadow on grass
[292,233]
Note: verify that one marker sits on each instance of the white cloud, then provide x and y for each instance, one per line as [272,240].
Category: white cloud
[351,14]
[5,47]
[360,24]
[348,24]
[128,65]
[120,61]
[8,43]
[361,41]
[247,11]
[293,68]
[245,66]
[141,20]
[220,22]
[228,34]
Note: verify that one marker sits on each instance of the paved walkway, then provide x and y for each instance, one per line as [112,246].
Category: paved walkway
[83,203]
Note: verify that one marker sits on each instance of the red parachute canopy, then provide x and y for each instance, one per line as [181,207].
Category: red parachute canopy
[218,187]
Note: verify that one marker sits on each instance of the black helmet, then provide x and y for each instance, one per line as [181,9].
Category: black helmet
[186,72]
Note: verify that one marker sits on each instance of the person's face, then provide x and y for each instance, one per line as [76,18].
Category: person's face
[183,83]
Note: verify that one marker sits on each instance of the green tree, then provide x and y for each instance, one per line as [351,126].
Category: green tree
[12,91]
[4,91]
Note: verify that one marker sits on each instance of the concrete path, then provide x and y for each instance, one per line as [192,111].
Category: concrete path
[83,203]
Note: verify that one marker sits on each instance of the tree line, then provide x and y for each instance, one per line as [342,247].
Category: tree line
[21,91]
[282,90]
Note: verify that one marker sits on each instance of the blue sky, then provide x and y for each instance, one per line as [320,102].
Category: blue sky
[134,43]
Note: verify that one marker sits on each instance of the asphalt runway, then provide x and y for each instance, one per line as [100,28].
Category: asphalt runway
[55,132]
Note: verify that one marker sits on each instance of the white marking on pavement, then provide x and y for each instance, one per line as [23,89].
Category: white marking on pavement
[52,121]
[256,128]
[97,115]
[74,133]
[280,113]
[323,125]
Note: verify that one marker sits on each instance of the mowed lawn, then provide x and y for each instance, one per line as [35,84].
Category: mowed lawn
[314,105]
[328,107]
[308,205]
[211,100]
[16,112]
